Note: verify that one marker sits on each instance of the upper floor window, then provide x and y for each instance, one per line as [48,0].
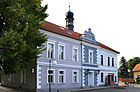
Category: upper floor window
[90,56]
[75,77]
[112,61]
[101,59]
[108,61]
[75,54]
[50,50]
[61,50]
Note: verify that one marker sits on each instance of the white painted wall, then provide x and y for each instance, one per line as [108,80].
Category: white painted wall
[105,69]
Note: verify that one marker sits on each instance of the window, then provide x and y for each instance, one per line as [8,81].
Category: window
[101,59]
[50,50]
[75,54]
[115,78]
[90,56]
[75,77]
[23,76]
[102,76]
[61,77]
[108,61]
[50,76]
[61,52]
[112,61]
[90,37]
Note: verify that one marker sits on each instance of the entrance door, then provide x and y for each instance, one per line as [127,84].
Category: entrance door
[91,79]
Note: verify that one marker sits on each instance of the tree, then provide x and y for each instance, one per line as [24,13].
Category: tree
[132,63]
[123,69]
[20,38]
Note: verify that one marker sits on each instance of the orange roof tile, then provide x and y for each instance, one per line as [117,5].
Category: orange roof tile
[65,32]
[136,68]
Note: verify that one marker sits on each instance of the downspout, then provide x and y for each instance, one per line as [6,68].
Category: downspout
[81,66]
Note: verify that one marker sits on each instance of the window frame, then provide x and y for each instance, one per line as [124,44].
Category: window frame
[73,54]
[64,76]
[77,76]
[53,75]
[90,51]
[63,52]
[49,42]
[112,62]
[108,60]
[102,77]
[102,60]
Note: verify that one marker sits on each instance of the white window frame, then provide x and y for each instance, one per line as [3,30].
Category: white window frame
[64,76]
[74,47]
[53,48]
[53,75]
[73,76]
[90,51]
[62,44]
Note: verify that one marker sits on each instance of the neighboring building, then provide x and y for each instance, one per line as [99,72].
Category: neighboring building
[136,71]
[81,61]
[107,61]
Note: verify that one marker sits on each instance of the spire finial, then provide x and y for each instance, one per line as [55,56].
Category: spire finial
[69,7]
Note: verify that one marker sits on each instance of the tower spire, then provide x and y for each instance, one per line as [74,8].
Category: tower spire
[69,7]
[69,20]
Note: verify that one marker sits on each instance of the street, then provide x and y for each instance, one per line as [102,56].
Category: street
[120,89]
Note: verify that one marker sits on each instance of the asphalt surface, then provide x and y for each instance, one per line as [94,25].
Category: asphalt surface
[120,89]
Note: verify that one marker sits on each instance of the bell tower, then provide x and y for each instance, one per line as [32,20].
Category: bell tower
[69,20]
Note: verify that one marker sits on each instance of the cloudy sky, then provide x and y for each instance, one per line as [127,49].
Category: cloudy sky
[115,23]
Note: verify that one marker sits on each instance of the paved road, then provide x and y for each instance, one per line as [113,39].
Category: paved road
[121,89]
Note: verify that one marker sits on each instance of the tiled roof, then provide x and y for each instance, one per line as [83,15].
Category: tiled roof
[60,30]
[65,32]
[106,47]
[136,68]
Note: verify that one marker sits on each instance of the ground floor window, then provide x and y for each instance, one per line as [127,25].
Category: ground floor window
[75,77]
[61,77]
[50,76]
[102,76]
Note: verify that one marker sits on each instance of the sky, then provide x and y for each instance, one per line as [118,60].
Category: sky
[115,23]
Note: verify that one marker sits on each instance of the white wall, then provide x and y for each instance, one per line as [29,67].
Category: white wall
[105,69]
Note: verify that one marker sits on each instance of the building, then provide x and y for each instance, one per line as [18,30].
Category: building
[81,61]
[136,71]
[107,61]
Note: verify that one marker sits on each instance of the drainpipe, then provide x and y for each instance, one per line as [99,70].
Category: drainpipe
[81,66]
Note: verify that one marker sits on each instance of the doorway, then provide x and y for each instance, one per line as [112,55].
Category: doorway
[91,79]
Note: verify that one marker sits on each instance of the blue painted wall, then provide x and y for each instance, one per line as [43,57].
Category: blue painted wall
[86,51]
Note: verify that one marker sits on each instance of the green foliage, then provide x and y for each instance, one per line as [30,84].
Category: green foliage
[132,63]
[20,38]
[138,80]
[123,69]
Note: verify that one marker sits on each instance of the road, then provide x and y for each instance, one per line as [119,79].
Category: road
[120,89]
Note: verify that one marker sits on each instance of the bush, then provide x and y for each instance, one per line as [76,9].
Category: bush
[138,80]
